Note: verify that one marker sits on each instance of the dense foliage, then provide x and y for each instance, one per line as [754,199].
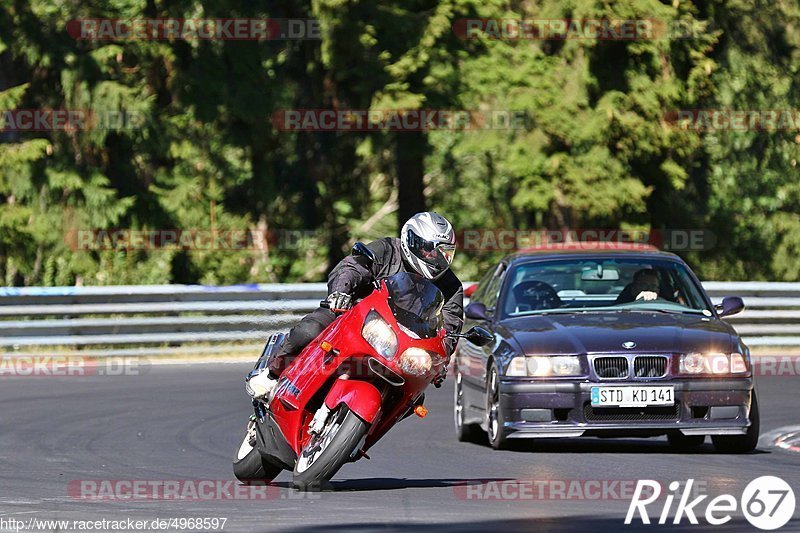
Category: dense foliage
[199,150]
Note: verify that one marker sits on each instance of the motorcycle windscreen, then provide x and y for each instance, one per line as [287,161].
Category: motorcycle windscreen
[416,303]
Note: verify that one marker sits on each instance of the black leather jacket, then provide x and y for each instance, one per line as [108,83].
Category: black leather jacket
[352,277]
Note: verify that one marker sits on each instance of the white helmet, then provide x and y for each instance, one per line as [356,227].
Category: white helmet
[428,243]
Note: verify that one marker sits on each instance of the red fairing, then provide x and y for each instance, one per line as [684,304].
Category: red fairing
[335,368]
[361,397]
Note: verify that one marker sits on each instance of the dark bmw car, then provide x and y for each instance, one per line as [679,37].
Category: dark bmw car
[606,343]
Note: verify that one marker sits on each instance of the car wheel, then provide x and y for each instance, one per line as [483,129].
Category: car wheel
[741,443]
[464,432]
[682,442]
[496,423]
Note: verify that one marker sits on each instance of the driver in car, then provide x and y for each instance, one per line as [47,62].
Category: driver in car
[645,286]
[426,247]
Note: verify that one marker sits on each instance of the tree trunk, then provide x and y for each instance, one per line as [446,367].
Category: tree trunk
[410,150]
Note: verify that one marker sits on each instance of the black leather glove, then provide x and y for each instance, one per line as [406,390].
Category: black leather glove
[339,302]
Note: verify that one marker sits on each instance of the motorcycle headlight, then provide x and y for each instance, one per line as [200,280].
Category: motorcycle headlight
[712,363]
[377,332]
[415,361]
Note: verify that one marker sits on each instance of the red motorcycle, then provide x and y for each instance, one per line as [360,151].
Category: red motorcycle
[364,373]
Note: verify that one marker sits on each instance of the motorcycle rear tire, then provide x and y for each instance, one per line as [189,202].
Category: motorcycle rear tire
[248,465]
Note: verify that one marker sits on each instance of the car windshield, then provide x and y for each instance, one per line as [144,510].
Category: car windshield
[594,284]
[416,303]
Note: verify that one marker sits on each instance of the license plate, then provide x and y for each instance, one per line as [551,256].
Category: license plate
[632,396]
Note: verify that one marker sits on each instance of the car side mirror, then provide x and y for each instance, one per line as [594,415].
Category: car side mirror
[477,311]
[731,305]
[479,336]
[362,254]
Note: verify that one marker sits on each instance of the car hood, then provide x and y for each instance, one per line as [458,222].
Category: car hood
[600,332]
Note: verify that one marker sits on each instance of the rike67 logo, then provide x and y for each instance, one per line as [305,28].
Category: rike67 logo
[767,502]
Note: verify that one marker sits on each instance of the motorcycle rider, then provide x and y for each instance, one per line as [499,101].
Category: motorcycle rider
[426,246]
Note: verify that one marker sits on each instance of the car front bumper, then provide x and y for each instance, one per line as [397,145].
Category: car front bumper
[563,409]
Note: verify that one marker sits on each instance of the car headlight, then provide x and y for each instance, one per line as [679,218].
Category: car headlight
[517,368]
[738,364]
[544,366]
[566,366]
[377,332]
[712,363]
[415,361]
[693,363]
[539,366]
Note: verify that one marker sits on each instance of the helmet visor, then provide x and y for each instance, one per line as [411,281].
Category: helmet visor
[438,255]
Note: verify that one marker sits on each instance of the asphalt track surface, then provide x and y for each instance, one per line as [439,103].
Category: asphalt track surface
[183,422]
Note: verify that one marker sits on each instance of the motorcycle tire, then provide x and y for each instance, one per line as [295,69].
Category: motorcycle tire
[329,451]
[248,465]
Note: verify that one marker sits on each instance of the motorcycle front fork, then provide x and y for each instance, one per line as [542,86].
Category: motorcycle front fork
[320,417]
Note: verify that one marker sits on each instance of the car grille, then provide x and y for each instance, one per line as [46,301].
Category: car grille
[611,367]
[631,414]
[650,366]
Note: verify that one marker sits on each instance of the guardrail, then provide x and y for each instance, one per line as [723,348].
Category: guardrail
[152,317]
[772,310]
[170,315]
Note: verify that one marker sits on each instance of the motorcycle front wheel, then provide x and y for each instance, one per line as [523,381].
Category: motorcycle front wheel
[330,449]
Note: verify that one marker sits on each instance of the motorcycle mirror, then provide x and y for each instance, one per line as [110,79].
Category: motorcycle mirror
[479,336]
[361,252]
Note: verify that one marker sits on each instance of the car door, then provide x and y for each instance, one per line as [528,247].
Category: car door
[472,359]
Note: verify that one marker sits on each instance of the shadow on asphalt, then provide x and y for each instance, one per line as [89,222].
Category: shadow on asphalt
[596,445]
[554,524]
[391,483]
